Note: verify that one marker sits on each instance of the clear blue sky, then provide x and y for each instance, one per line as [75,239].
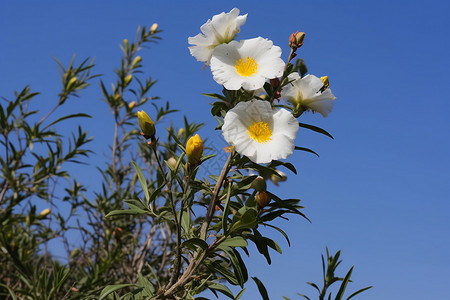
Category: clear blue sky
[380,191]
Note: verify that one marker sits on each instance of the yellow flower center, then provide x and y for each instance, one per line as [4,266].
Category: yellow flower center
[260,132]
[246,67]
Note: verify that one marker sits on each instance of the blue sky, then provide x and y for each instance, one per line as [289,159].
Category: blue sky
[380,191]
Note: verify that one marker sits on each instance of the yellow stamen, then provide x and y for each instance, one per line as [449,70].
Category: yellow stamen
[260,132]
[326,83]
[246,67]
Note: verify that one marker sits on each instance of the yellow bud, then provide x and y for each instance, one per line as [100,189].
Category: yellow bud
[71,82]
[146,124]
[74,253]
[27,221]
[326,83]
[128,79]
[132,104]
[194,150]
[117,233]
[136,60]
[172,162]
[262,199]
[153,28]
[180,132]
[125,43]
[44,213]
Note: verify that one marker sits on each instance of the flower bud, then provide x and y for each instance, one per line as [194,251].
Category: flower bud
[125,43]
[259,184]
[71,82]
[117,233]
[276,179]
[262,199]
[194,150]
[180,132]
[136,60]
[74,253]
[146,124]
[44,213]
[127,79]
[296,40]
[153,28]
[132,104]
[172,162]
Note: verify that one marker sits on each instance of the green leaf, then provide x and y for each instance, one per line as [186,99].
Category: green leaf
[143,181]
[220,288]
[261,288]
[195,242]
[358,292]
[226,210]
[280,231]
[10,291]
[306,150]
[146,285]
[80,115]
[236,241]
[223,270]
[316,129]
[304,296]
[112,288]
[134,211]
[246,221]
[344,283]
[239,295]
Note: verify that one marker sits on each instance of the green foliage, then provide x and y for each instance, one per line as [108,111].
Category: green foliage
[329,278]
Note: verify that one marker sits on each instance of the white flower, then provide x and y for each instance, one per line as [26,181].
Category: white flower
[259,132]
[247,64]
[310,93]
[221,29]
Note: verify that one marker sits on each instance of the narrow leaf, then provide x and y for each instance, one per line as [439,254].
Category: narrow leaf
[316,129]
[261,288]
[112,288]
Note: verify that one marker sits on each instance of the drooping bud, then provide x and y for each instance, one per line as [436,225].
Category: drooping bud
[276,179]
[153,28]
[194,150]
[146,124]
[296,40]
[132,104]
[44,213]
[259,184]
[262,199]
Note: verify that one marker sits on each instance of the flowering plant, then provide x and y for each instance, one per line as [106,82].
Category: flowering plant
[155,230]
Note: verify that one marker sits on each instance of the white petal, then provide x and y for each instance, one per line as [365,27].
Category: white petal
[285,123]
[267,57]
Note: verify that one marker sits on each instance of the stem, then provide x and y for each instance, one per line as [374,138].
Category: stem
[177,263]
[291,56]
[212,203]
[2,194]
[49,113]
[114,150]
